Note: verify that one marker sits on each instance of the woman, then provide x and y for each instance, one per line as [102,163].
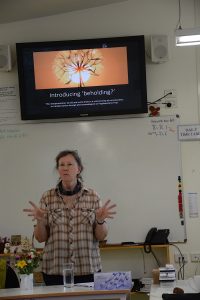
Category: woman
[71,222]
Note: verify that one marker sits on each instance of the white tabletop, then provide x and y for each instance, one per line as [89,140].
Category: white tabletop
[157,291]
[60,292]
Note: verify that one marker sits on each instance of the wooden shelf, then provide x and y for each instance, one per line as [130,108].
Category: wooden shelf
[113,247]
[108,247]
[119,247]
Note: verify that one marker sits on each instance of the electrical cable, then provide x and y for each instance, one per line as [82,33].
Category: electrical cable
[178,26]
[144,263]
[181,271]
[182,263]
[148,249]
[157,260]
[178,274]
[154,102]
[198,261]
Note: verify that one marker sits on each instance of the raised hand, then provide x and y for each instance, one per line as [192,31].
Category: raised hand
[106,211]
[35,212]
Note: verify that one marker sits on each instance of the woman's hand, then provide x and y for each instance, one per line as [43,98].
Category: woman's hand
[35,212]
[106,211]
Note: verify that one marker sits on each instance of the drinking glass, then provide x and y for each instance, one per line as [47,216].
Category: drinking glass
[68,275]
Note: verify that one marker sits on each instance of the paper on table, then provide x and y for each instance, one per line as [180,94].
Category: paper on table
[85,284]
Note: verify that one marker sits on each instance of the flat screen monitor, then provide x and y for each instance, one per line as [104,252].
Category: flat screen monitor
[82,78]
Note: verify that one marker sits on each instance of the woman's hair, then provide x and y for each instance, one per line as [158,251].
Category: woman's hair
[74,153]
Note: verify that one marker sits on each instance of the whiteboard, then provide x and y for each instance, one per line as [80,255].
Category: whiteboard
[135,162]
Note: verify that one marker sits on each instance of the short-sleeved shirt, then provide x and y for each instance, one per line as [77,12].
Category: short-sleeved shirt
[71,232]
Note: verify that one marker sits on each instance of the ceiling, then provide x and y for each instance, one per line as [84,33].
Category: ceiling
[19,10]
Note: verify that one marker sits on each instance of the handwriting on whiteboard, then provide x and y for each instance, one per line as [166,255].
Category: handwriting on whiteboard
[162,127]
[8,132]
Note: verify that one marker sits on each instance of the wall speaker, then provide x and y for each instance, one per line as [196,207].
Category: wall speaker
[159,48]
[5,58]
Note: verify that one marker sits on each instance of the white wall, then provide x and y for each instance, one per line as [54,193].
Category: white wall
[134,17]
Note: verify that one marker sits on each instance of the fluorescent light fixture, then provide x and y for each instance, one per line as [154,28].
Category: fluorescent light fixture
[187,37]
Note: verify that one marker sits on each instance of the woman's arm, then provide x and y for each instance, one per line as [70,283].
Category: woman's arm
[102,213]
[41,231]
[101,231]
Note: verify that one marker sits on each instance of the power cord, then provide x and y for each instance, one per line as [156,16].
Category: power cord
[179,26]
[157,260]
[181,271]
[156,101]
[181,262]
[148,249]
[198,261]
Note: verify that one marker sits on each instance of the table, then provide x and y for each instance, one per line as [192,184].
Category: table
[157,290]
[58,292]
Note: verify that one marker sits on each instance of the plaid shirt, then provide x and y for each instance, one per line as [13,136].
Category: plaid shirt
[71,233]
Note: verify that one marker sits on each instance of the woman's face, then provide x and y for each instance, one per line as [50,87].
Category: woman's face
[68,169]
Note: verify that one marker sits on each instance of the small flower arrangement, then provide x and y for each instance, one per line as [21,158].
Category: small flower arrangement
[27,261]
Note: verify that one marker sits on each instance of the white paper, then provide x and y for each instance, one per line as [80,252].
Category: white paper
[9,106]
[193,205]
[112,280]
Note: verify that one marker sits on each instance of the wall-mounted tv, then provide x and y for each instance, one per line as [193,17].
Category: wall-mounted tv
[82,78]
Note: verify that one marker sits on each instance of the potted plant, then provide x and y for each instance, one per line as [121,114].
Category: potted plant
[26,262]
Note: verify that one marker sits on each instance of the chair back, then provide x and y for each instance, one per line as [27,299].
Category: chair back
[12,280]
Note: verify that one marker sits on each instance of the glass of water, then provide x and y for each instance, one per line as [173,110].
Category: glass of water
[68,275]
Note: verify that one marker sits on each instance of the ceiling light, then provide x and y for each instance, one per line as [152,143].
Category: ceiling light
[186,37]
